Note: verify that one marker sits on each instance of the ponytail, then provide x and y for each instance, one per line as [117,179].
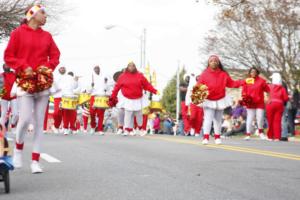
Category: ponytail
[24,21]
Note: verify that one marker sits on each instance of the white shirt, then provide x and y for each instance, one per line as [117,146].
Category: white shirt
[100,87]
[58,83]
[192,83]
[69,86]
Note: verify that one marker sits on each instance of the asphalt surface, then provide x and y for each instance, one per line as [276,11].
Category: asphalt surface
[158,167]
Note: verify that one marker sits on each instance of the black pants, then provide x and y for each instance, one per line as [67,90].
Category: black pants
[291,120]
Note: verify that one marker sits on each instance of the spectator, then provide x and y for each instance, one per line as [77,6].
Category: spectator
[239,129]
[227,123]
[168,126]
[292,108]
[238,110]
[156,124]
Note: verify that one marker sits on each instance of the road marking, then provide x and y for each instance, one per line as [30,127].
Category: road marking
[232,148]
[49,158]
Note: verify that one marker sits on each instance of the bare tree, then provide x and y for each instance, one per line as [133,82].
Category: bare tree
[13,11]
[260,33]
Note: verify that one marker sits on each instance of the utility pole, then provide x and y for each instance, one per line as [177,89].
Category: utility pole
[177,92]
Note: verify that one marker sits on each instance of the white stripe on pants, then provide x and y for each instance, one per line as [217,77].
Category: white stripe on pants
[31,107]
[121,115]
[212,116]
[251,115]
[14,111]
[129,118]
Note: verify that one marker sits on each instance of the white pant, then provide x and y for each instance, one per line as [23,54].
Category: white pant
[212,116]
[14,111]
[121,113]
[129,118]
[251,115]
[32,109]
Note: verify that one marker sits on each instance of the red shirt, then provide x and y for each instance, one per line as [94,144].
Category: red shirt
[278,94]
[132,85]
[217,81]
[31,48]
[256,92]
[8,82]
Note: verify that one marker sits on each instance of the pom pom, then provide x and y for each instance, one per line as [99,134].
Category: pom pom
[199,93]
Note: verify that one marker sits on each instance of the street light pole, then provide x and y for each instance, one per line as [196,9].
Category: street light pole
[177,92]
[144,49]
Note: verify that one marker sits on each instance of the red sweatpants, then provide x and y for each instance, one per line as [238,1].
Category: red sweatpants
[85,122]
[46,118]
[145,121]
[196,118]
[96,112]
[69,119]
[274,114]
[185,117]
[57,113]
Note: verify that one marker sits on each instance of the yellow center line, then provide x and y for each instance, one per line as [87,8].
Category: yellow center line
[232,148]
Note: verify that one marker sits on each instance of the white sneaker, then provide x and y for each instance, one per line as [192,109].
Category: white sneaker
[262,136]
[197,135]
[192,132]
[205,142]
[247,138]
[55,130]
[17,158]
[125,133]
[100,133]
[92,131]
[133,133]
[143,133]
[66,132]
[120,131]
[85,131]
[218,141]
[36,168]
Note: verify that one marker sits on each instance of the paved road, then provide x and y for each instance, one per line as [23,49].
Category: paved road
[159,167]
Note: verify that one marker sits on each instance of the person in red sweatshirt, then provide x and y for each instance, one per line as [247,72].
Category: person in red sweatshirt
[7,100]
[132,83]
[277,98]
[216,79]
[254,88]
[195,112]
[31,47]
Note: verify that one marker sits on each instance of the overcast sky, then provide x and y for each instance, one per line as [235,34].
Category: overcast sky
[175,30]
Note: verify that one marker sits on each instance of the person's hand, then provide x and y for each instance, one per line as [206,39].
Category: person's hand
[28,71]
[157,93]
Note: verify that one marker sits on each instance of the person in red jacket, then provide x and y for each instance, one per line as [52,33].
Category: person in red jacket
[254,88]
[216,79]
[132,83]
[29,48]
[277,98]
[7,100]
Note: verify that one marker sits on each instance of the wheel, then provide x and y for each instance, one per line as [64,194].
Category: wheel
[6,182]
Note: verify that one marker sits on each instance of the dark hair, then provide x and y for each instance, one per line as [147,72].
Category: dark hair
[254,68]
[71,73]
[24,20]
[134,71]
[220,66]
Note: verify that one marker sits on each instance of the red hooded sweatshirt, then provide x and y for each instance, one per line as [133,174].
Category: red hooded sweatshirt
[256,92]
[31,48]
[217,81]
[8,79]
[278,94]
[132,85]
